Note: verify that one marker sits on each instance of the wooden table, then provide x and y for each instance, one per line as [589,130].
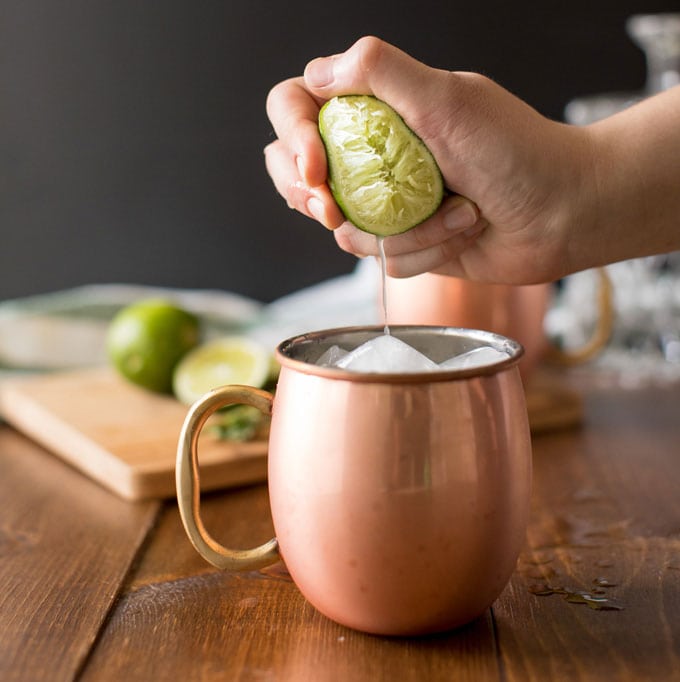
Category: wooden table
[96,588]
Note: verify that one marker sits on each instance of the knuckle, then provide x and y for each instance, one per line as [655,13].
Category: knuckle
[274,95]
[344,241]
[297,194]
[369,52]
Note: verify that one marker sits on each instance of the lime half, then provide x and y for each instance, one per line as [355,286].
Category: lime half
[227,360]
[382,175]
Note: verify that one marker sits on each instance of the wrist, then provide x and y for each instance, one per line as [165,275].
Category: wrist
[591,201]
[570,166]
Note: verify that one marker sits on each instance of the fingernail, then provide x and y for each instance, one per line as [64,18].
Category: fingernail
[316,209]
[319,72]
[462,215]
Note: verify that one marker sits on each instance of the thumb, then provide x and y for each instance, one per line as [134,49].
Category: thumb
[373,67]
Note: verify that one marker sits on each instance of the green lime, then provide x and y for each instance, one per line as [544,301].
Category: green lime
[382,175]
[227,360]
[146,340]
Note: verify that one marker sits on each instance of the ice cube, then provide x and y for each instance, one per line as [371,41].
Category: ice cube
[478,357]
[385,354]
[331,357]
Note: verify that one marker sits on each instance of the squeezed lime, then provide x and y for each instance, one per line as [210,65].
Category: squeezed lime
[382,175]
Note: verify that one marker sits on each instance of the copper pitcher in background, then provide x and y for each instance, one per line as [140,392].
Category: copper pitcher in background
[514,311]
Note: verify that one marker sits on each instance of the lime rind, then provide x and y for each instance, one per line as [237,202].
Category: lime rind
[382,175]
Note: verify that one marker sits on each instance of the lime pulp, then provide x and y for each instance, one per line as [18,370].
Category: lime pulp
[227,360]
[382,175]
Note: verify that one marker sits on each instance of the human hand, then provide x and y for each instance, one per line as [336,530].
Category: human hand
[513,172]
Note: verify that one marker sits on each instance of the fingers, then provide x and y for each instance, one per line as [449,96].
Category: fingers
[296,161]
[371,67]
[456,214]
[294,114]
[443,257]
[433,245]
[314,202]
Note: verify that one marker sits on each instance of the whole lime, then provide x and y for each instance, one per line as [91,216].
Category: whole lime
[147,339]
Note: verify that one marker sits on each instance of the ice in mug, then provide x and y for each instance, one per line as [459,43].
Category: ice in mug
[387,353]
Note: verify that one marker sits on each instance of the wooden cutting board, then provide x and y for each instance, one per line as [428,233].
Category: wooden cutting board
[551,405]
[120,435]
[126,438]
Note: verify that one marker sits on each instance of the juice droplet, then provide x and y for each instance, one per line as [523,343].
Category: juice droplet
[603,582]
[599,603]
[592,600]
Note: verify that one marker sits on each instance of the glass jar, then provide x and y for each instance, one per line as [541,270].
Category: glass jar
[646,291]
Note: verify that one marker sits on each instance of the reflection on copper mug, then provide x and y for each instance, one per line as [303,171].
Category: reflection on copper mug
[514,311]
[399,501]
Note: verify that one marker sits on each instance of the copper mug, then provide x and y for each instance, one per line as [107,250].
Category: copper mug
[399,501]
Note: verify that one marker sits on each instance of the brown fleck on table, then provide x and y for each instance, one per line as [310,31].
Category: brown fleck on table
[97,588]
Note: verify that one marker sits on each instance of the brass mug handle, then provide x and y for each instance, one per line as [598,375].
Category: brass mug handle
[188,481]
[602,332]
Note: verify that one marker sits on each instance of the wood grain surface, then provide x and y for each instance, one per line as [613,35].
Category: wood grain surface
[605,506]
[66,547]
[98,588]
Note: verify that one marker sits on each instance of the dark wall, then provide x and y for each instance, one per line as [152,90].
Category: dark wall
[131,131]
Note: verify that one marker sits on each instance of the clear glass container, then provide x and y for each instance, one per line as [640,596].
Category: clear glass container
[645,345]
[658,36]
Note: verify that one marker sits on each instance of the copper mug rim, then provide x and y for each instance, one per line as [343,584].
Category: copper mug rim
[300,352]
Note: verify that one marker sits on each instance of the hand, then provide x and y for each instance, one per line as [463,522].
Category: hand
[490,146]
[534,199]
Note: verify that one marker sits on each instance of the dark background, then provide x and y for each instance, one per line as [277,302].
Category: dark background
[131,131]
